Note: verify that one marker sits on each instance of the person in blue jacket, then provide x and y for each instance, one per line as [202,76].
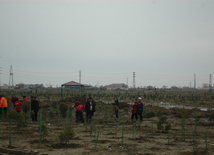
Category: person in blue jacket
[140,108]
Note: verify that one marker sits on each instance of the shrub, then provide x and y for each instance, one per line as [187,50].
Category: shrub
[163,121]
[211,119]
[18,118]
[25,106]
[44,130]
[63,107]
[126,110]
[148,113]
[159,113]
[66,135]
[184,114]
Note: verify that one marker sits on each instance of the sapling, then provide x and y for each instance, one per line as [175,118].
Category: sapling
[66,135]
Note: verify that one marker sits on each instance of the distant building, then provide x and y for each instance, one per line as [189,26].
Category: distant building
[149,87]
[174,88]
[20,86]
[185,87]
[205,85]
[115,86]
[72,85]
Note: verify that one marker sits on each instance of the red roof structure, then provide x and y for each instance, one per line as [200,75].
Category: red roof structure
[72,83]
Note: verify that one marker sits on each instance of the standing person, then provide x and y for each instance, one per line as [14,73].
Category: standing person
[4,104]
[35,108]
[116,107]
[24,99]
[79,111]
[134,110]
[90,109]
[18,105]
[140,108]
[13,100]
[76,104]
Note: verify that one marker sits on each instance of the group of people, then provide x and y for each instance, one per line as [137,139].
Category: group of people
[17,105]
[137,109]
[89,108]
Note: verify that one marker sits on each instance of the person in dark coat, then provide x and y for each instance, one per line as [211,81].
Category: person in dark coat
[90,109]
[35,108]
[140,109]
[116,107]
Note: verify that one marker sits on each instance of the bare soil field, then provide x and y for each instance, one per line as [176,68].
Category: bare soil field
[146,139]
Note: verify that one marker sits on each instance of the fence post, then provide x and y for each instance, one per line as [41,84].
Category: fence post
[24,117]
[2,113]
[29,112]
[206,141]
[68,114]
[123,130]
[116,131]
[50,114]
[196,123]
[193,145]
[97,140]
[10,134]
[104,116]
[168,137]
[57,112]
[40,128]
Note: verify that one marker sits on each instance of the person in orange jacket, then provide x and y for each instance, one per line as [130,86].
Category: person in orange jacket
[18,105]
[79,113]
[4,104]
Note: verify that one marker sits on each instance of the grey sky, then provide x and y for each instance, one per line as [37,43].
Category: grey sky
[164,42]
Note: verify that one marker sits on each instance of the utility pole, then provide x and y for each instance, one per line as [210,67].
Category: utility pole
[194,81]
[11,76]
[210,82]
[79,76]
[133,79]
[127,82]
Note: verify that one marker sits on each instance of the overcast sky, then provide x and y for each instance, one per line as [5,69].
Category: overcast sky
[164,41]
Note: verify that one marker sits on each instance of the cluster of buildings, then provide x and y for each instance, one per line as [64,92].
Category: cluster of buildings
[72,85]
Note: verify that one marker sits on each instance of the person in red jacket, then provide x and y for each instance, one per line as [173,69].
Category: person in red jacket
[79,113]
[134,110]
[76,104]
[13,100]
[18,105]
[24,99]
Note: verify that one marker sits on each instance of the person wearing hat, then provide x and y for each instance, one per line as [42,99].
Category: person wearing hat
[140,108]
[90,109]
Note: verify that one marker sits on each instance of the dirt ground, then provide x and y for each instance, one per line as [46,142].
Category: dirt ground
[147,140]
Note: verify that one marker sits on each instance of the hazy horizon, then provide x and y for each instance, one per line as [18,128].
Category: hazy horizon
[164,42]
